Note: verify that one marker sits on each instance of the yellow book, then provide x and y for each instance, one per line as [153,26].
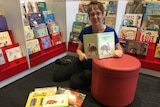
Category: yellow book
[157,51]
[51,90]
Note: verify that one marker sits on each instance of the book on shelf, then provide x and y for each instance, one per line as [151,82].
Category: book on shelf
[157,51]
[49,18]
[82,7]
[152,8]
[132,20]
[3,24]
[82,17]
[74,37]
[14,53]
[30,7]
[128,33]
[41,6]
[46,42]
[99,45]
[56,38]
[110,21]
[5,39]
[136,48]
[28,32]
[77,26]
[150,22]
[112,8]
[2,59]
[40,30]
[75,98]
[33,46]
[53,27]
[149,36]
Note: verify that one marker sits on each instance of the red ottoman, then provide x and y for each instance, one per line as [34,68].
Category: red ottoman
[114,80]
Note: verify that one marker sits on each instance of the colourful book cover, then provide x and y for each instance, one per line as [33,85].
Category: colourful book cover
[157,51]
[30,7]
[28,32]
[49,18]
[33,46]
[13,53]
[99,45]
[46,42]
[112,7]
[5,39]
[77,26]
[128,33]
[58,100]
[110,21]
[41,6]
[132,20]
[74,37]
[2,59]
[75,98]
[50,90]
[82,17]
[150,22]
[3,24]
[56,38]
[152,8]
[40,30]
[149,36]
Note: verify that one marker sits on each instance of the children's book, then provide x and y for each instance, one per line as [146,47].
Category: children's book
[136,48]
[152,8]
[49,18]
[13,53]
[41,6]
[57,100]
[157,51]
[112,7]
[150,22]
[74,37]
[77,26]
[75,98]
[56,38]
[46,42]
[5,39]
[132,20]
[110,21]
[128,33]
[99,45]
[82,17]
[3,24]
[149,36]
[2,59]
[28,32]
[33,46]
[50,90]
[40,30]
[30,7]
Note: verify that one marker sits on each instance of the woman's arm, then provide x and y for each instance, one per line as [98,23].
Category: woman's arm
[80,53]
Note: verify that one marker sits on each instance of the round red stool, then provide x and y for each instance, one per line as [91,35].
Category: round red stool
[114,80]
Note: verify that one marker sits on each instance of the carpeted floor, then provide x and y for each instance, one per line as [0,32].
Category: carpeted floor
[16,93]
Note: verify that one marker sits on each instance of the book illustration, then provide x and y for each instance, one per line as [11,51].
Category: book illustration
[35,19]
[46,42]
[3,24]
[28,32]
[99,45]
[157,51]
[75,98]
[132,20]
[128,33]
[57,100]
[33,46]
[136,48]
[110,21]
[30,7]
[13,53]
[2,59]
[40,30]
[112,7]
[49,18]
[82,8]
[150,22]
[41,6]
[82,17]
[50,90]
[74,37]
[149,36]
[152,8]
[77,27]
[5,39]
[56,38]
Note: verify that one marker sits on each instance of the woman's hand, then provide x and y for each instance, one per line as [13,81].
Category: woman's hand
[118,53]
[82,57]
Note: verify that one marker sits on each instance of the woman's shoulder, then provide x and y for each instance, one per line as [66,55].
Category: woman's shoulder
[108,28]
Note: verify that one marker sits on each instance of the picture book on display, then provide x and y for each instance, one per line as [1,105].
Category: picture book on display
[3,24]
[33,46]
[14,53]
[77,26]
[41,6]
[35,19]
[99,45]
[49,18]
[46,42]
[28,32]
[136,48]
[53,27]
[74,37]
[149,36]
[5,39]
[82,17]
[56,38]
[110,21]
[40,30]
[2,59]
[157,51]
[128,33]
[112,8]
[152,8]
[30,7]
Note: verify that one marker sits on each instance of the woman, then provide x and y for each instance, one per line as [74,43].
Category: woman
[95,12]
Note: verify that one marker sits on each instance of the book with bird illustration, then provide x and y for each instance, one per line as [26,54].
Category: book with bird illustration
[99,45]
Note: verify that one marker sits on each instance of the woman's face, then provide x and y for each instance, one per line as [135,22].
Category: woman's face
[96,16]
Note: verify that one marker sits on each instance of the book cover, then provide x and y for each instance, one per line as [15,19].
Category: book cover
[132,20]
[41,6]
[13,53]
[149,36]
[40,30]
[152,8]
[50,90]
[110,21]
[150,22]
[5,39]
[99,45]
[53,27]
[35,19]
[33,46]
[2,59]
[35,99]
[3,24]
[56,38]
[74,37]
[112,7]
[77,26]
[157,51]
[136,48]
[30,7]
[49,18]
[28,32]
[57,100]
[46,42]
[128,33]
[75,98]
[82,17]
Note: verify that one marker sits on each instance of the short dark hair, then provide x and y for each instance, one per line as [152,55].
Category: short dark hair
[95,3]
